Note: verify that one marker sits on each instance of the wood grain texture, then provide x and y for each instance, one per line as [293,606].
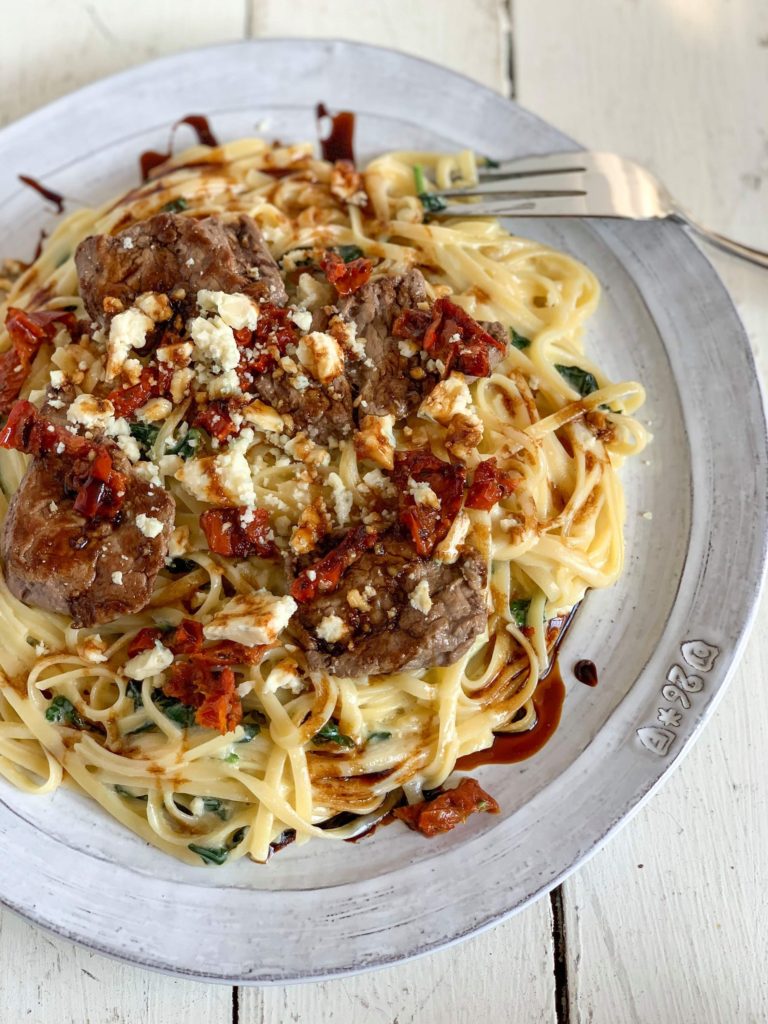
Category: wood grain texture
[466,37]
[46,980]
[668,923]
[505,974]
[49,47]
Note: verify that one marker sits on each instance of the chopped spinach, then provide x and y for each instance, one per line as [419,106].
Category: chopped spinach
[122,791]
[518,340]
[430,202]
[176,205]
[232,758]
[490,163]
[219,854]
[580,380]
[251,725]
[62,712]
[181,714]
[188,444]
[218,807]
[376,736]
[210,855]
[133,690]
[145,434]
[349,252]
[519,611]
[147,727]
[330,734]
[176,566]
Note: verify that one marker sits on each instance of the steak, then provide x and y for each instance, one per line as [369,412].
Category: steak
[382,378]
[393,635]
[321,411]
[55,559]
[170,252]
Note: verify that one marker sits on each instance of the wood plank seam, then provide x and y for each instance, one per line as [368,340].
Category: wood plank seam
[560,956]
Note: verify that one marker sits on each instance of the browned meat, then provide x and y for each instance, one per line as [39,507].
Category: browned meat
[500,333]
[170,252]
[393,635]
[382,379]
[322,412]
[54,560]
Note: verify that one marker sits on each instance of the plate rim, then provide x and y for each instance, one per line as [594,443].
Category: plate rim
[756,582]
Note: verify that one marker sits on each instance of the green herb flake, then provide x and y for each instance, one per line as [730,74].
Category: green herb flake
[122,791]
[330,734]
[181,714]
[430,202]
[217,807]
[187,445]
[519,611]
[349,252]
[210,855]
[62,712]
[133,690]
[376,736]
[580,380]
[518,340]
[232,759]
[176,205]
[145,434]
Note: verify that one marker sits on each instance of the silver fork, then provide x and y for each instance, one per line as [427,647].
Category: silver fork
[578,184]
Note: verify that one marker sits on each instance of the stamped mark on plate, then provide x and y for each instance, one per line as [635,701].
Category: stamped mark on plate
[677,692]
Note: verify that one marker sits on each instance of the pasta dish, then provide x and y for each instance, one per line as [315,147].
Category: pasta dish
[299,485]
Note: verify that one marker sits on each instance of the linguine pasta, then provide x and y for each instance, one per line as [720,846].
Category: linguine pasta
[319,754]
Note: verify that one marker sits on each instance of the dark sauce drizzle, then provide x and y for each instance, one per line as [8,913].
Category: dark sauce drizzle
[47,193]
[338,145]
[151,158]
[586,672]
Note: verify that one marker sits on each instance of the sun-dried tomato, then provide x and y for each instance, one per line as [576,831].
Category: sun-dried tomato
[490,485]
[229,652]
[210,690]
[346,278]
[450,334]
[324,576]
[449,809]
[264,347]
[426,524]
[239,532]
[412,323]
[216,420]
[27,331]
[153,382]
[101,494]
[187,638]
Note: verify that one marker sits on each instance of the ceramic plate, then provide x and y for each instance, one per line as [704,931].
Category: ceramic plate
[665,639]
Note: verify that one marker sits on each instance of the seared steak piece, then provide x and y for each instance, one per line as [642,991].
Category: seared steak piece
[382,379]
[95,571]
[170,252]
[321,411]
[419,613]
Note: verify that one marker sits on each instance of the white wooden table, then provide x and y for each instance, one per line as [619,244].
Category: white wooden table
[668,924]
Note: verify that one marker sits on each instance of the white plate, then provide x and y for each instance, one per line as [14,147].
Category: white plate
[683,606]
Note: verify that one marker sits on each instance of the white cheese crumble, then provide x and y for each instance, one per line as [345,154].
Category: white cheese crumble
[215,345]
[155,305]
[343,498]
[422,493]
[322,355]
[302,318]
[332,629]
[97,414]
[376,441]
[128,330]
[148,525]
[284,676]
[419,597]
[264,417]
[223,479]
[149,663]
[251,619]
[155,410]
[236,310]
[57,379]
[446,399]
[117,578]
[447,550]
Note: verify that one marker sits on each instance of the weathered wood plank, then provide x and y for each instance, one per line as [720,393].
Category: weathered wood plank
[668,923]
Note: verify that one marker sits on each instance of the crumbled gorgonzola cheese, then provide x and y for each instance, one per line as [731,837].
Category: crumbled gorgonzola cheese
[332,629]
[149,663]
[251,619]
[128,330]
[419,597]
[236,310]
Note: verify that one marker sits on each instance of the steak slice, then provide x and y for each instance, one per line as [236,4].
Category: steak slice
[393,635]
[55,559]
[321,411]
[170,252]
[382,378]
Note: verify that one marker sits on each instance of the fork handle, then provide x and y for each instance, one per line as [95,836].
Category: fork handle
[744,252]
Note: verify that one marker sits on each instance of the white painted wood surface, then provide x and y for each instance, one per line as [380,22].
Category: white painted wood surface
[682,85]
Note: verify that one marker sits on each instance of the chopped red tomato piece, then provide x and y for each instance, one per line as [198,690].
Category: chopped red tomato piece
[449,809]
[216,420]
[154,382]
[239,532]
[324,576]
[490,485]
[346,278]
[187,638]
[450,334]
[427,524]
[210,690]
[28,331]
